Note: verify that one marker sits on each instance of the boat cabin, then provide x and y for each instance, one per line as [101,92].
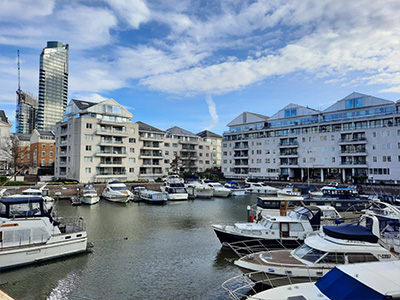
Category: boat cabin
[281,204]
[22,207]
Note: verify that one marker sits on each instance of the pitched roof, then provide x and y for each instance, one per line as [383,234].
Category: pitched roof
[180,131]
[146,127]
[82,104]
[206,133]
[247,118]
[3,116]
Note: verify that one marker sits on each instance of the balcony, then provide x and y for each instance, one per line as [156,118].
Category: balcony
[354,163]
[288,154]
[241,147]
[150,155]
[111,154]
[361,152]
[361,140]
[110,142]
[289,145]
[151,138]
[112,132]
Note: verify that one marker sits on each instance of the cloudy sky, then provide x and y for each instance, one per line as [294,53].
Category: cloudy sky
[199,64]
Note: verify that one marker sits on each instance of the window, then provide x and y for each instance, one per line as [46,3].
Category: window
[43,153]
[43,163]
[360,257]
[89,125]
[132,150]
[166,144]
[333,258]
[290,112]
[43,146]
[88,148]
[131,170]
[132,160]
[174,145]
[166,152]
[51,146]
[88,159]
[374,159]
[51,153]
[88,170]
[132,140]
[296,227]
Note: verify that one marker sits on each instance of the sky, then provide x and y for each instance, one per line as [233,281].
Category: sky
[200,64]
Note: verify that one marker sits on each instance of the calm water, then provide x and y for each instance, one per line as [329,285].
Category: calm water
[140,252]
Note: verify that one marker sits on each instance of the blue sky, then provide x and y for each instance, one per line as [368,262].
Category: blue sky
[199,64]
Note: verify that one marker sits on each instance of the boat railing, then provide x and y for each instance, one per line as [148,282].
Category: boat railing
[251,246]
[243,287]
[71,224]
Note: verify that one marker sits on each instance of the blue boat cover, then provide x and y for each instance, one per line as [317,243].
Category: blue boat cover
[338,285]
[351,232]
[21,200]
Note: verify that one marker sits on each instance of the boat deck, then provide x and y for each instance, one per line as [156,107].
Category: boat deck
[276,258]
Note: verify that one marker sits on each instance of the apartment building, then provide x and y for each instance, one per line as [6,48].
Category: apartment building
[358,136]
[5,135]
[97,142]
[216,146]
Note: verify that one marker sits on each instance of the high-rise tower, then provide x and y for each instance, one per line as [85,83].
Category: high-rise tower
[53,85]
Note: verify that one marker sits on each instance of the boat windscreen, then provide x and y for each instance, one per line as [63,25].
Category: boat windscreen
[119,188]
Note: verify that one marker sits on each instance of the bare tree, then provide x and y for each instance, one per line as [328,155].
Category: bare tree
[18,155]
[176,164]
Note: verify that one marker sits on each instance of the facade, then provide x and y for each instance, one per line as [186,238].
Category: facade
[53,85]
[357,137]
[97,142]
[216,146]
[25,118]
[151,158]
[5,136]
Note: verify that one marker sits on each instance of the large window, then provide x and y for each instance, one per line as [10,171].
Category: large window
[290,112]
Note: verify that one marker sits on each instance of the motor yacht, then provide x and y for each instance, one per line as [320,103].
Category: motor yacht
[116,191]
[260,188]
[196,189]
[29,234]
[175,188]
[218,189]
[362,281]
[343,244]
[273,231]
[89,195]
[33,192]
[236,189]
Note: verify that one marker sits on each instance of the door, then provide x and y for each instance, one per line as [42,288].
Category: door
[284,227]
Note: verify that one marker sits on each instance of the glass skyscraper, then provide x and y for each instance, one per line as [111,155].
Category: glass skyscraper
[53,85]
[26,112]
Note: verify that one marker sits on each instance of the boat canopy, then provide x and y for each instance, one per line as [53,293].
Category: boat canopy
[351,232]
[338,285]
[22,207]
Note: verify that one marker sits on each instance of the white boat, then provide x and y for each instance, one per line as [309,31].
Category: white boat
[371,280]
[175,188]
[289,190]
[196,189]
[273,232]
[260,188]
[218,189]
[89,195]
[153,197]
[116,191]
[343,244]
[136,190]
[236,189]
[30,235]
[34,192]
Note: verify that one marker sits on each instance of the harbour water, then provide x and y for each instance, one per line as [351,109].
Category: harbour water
[140,252]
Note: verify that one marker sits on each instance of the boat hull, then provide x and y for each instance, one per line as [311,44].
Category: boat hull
[55,248]
[223,194]
[116,198]
[90,200]
[178,197]
[227,237]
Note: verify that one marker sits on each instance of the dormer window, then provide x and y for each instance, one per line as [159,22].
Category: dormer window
[353,103]
[292,112]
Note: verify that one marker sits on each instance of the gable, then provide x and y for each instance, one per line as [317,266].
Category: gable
[292,111]
[357,100]
[247,118]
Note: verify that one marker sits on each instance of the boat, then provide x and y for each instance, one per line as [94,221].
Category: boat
[33,192]
[89,195]
[196,189]
[340,204]
[321,251]
[236,189]
[116,191]
[260,188]
[273,231]
[175,188]
[153,197]
[218,189]
[362,281]
[334,191]
[281,206]
[29,234]
[296,190]
[136,190]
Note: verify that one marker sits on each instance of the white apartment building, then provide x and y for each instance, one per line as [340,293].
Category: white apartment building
[216,146]
[358,136]
[97,142]
[5,145]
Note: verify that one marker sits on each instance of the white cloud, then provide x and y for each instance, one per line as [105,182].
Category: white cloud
[212,109]
[133,12]
[25,9]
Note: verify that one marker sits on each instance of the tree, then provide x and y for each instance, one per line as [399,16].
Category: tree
[17,156]
[176,164]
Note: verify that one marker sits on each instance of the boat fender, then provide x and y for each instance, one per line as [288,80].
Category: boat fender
[252,218]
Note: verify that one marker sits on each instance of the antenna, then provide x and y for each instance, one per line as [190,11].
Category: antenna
[19,73]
